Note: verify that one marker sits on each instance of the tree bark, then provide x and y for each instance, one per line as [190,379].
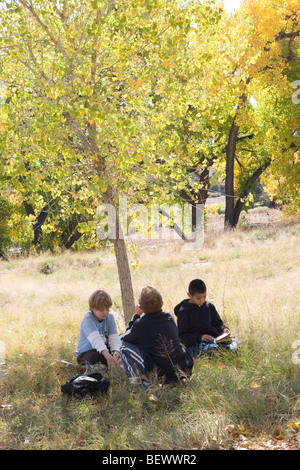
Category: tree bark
[230,157]
[71,235]
[200,196]
[229,181]
[73,238]
[125,279]
[3,255]
[37,227]
[249,184]
[109,197]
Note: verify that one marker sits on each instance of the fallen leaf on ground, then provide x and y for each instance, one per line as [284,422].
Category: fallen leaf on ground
[255,385]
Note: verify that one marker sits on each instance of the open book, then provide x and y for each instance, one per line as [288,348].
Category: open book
[222,337]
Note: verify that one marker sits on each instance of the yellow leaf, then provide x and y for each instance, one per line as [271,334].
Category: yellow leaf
[242,429]
[255,385]
[278,434]
[294,425]
[138,84]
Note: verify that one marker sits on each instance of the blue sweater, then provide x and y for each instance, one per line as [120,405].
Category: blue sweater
[105,329]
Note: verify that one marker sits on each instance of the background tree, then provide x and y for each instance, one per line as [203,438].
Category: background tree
[270,55]
[81,73]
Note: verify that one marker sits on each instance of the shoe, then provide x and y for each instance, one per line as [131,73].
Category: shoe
[146,385]
[134,380]
[95,368]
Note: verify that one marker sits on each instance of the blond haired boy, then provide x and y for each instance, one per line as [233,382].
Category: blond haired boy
[99,341]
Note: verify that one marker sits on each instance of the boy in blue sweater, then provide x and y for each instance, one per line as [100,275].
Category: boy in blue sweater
[99,341]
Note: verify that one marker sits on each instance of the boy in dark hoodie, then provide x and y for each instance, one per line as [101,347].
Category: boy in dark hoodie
[155,334]
[197,319]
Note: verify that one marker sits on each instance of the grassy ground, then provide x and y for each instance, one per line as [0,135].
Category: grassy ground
[253,279]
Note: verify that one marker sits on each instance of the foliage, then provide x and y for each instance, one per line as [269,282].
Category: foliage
[82,112]
[85,112]
[280,38]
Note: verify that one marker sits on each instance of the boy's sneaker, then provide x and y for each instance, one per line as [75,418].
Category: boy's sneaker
[147,386]
[134,380]
[91,368]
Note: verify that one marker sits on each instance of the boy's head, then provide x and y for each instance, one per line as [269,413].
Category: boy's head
[197,292]
[150,300]
[100,303]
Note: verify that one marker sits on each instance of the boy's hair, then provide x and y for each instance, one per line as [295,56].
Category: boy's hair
[150,300]
[197,286]
[100,300]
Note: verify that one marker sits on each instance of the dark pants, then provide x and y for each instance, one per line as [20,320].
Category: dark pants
[137,363]
[91,357]
[132,360]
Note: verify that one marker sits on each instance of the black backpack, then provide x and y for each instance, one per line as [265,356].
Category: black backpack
[86,384]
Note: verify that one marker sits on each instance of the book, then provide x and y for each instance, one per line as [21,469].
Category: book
[222,337]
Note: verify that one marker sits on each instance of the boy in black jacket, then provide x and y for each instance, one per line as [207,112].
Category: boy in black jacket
[197,319]
[155,334]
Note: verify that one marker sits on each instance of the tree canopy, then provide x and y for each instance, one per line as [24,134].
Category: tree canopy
[143,98]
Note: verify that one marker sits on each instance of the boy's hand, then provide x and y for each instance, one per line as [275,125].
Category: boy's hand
[207,338]
[226,330]
[116,355]
[118,359]
[111,362]
[138,310]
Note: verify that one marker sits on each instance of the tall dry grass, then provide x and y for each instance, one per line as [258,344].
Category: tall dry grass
[252,278]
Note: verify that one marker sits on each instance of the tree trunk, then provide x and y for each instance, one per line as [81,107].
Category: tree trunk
[199,197]
[122,260]
[73,238]
[230,157]
[71,235]
[248,186]
[37,227]
[124,278]
[229,181]
[3,255]
[109,197]
[237,212]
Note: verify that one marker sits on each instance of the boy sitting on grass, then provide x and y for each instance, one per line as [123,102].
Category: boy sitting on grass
[153,340]
[99,341]
[197,319]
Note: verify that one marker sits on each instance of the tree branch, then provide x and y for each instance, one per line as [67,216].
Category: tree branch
[46,29]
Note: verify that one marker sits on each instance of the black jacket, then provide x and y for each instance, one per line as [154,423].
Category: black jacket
[156,336]
[194,321]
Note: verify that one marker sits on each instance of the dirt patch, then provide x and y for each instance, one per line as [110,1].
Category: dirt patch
[292,443]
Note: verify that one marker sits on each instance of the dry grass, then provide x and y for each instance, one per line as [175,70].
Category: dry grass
[253,279]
